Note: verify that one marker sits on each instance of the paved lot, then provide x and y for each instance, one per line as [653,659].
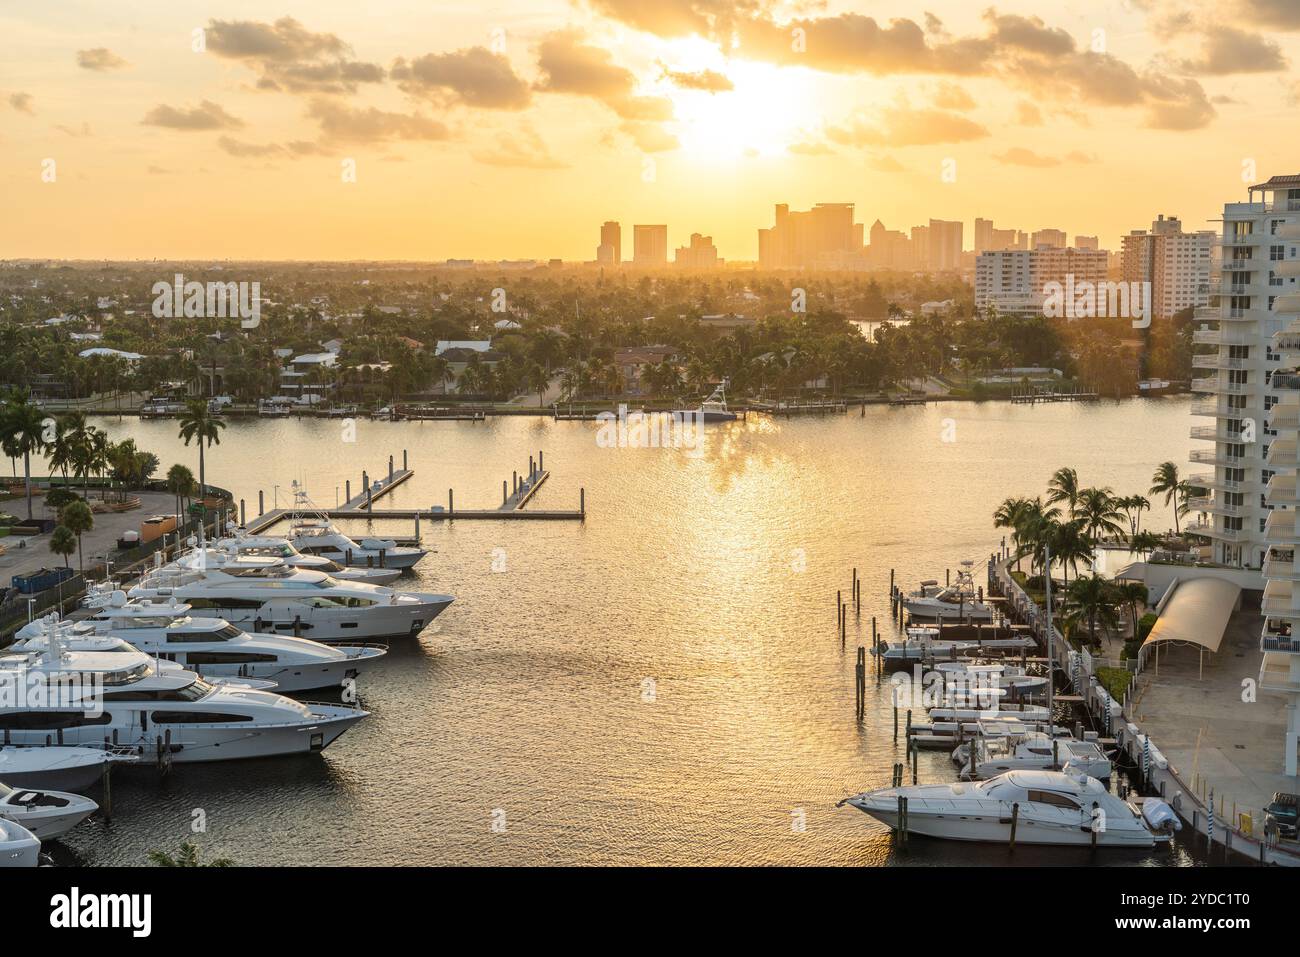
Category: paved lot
[1204,727]
[109,526]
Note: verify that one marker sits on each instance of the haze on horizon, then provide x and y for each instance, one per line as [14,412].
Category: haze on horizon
[513,130]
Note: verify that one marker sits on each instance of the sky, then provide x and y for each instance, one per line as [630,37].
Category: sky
[506,130]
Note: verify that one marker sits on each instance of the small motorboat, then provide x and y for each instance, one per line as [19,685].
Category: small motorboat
[998,750]
[57,766]
[19,847]
[959,601]
[922,643]
[1048,807]
[712,409]
[47,814]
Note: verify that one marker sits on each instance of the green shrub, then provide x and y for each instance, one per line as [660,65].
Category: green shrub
[1114,680]
[1145,624]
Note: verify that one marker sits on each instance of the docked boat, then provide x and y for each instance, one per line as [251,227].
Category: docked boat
[1048,807]
[952,736]
[320,536]
[977,682]
[922,643]
[47,814]
[19,847]
[270,546]
[122,700]
[273,409]
[997,750]
[63,767]
[959,601]
[211,647]
[712,409]
[265,595]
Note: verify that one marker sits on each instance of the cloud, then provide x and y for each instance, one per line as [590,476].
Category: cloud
[1283,14]
[569,65]
[950,96]
[650,137]
[1226,50]
[885,164]
[475,77]
[288,57]
[1027,114]
[206,116]
[903,126]
[522,149]
[369,125]
[709,81]
[291,150]
[100,59]
[22,102]
[82,131]
[1020,156]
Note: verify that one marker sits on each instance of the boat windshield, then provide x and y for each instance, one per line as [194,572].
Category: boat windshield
[5,790]
[261,571]
[275,551]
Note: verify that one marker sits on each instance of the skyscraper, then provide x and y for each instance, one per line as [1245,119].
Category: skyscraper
[650,245]
[944,239]
[1175,263]
[611,235]
[824,237]
[700,254]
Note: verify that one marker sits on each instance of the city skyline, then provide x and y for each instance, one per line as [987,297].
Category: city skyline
[503,135]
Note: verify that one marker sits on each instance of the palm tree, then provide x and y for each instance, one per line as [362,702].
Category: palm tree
[1098,511]
[77,518]
[1009,515]
[1144,542]
[1064,487]
[535,378]
[1132,594]
[63,542]
[1034,529]
[1166,482]
[1134,506]
[1070,545]
[199,423]
[180,482]
[1091,599]
[22,427]
[188,857]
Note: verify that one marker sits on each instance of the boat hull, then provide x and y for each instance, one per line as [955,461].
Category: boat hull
[996,829]
[51,823]
[292,678]
[19,847]
[931,611]
[338,625]
[79,773]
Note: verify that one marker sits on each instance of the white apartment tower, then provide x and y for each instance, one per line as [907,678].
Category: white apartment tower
[1178,265]
[1266,233]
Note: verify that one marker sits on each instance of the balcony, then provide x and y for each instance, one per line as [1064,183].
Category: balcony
[1287,304]
[1277,674]
[1221,456]
[1214,506]
[1279,565]
[1245,264]
[1285,381]
[1209,531]
[1279,600]
[1281,454]
[1280,528]
[1215,360]
[1281,491]
[1289,268]
[1288,231]
[1211,480]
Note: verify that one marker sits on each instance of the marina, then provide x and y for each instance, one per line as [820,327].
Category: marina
[472,650]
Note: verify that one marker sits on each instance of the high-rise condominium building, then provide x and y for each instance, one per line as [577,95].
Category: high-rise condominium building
[650,245]
[611,236]
[1049,237]
[1259,344]
[1015,281]
[824,237]
[983,235]
[1178,265]
[700,254]
[1087,242]
[945,240]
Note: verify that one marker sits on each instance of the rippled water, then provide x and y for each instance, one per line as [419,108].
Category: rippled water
[663,683]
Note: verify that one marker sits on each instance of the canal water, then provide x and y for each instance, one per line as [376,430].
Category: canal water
[660,684]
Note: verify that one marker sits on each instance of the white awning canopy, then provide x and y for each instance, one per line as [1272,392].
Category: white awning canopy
[1197,613]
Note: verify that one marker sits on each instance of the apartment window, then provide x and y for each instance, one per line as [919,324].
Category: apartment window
[1276,253]
[1272,226]
[1238,352]
[1274,279]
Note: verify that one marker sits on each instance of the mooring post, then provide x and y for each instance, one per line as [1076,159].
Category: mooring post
[417,526]
[451,502]
[1015,819]
[241,512]
[403,460]
[261,503]
[504,496]
[369,499]
[540,466]
[390,470]
[347,490]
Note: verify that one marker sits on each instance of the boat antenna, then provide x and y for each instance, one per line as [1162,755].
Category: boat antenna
[1051,671]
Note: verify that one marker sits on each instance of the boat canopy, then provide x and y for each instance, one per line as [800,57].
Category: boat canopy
[1196,613]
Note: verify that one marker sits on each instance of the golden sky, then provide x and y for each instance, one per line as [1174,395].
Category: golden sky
[513,129]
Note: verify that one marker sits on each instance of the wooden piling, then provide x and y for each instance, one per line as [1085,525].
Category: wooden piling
[451,502]
[241,512]
[347,490]
[261,502]
[1015,819]
[582,502]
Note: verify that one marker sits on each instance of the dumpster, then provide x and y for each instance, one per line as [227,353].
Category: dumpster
[156,527]
[41,580]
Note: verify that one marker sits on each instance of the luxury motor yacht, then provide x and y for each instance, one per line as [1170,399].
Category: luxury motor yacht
[1055,807]
[268,546]
[122,700]
[47,814]
[922,643]
[319,536]
[19,847]
[959,601]
[967,683]
[63,767]
[265,595]
[211,647]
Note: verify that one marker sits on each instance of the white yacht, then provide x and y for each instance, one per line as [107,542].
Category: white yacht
[712,409]
[265,595]
[974,682]
[922,643]
[1007,748]
[319,536]
[122,700]
[65,768]
[19,847]
[47,814]
[269,546]
[211,647]
[1055,807]
[959,601]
